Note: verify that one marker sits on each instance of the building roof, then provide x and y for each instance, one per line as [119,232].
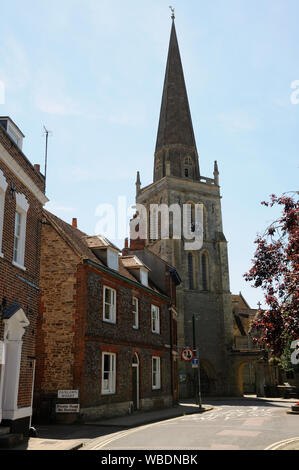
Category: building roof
[133,262]
[99,242]
[79,242]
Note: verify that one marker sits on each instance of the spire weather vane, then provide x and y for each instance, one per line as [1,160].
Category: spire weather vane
[172,12]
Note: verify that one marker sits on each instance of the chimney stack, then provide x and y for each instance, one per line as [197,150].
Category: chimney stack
[74,222]
[37,167]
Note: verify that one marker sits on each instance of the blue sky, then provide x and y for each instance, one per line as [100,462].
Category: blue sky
[92,72]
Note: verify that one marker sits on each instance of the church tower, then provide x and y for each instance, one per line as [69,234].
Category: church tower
[203,299]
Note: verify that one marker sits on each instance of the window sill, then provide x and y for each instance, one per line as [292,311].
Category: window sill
[108,393]
[17,265]
[112,322]
[135,327]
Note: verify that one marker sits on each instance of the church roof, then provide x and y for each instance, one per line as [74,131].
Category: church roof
[175,124]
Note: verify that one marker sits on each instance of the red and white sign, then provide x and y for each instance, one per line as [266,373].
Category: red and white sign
[187,354]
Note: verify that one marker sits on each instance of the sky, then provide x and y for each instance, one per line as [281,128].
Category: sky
[92,71]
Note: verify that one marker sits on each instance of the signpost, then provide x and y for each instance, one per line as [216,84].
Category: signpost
[196,349]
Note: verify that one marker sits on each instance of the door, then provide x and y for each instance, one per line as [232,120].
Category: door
[135,382]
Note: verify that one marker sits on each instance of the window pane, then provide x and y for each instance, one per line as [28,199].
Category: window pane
[107,295]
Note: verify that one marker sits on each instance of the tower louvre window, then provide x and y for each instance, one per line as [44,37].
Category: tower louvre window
[188,167]
[190,270]
[204,269]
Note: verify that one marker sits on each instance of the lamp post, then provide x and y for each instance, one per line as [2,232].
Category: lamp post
[196,349]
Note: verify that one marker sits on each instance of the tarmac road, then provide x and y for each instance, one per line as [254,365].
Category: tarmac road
[231,425]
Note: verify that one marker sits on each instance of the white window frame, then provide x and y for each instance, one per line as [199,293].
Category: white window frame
[22,207]
[3,187]
[156,373]
[112,305]
[155,321]
[135,309]
[109,375]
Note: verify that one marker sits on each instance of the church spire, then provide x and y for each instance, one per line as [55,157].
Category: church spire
[175,130]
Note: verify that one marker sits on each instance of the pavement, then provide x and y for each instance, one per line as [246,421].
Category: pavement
[76,436]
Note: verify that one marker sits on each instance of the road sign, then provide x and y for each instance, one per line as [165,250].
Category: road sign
[67,408]
[195,363]
[68,394]
[187,354]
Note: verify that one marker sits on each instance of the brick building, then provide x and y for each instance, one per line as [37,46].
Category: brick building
[107,327]
[21,201]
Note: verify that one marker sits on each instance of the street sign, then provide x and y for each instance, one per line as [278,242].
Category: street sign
[187,354]
[68,394]
[67,408]
[195,363]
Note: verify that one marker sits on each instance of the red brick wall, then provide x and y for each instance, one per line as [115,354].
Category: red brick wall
[13,285]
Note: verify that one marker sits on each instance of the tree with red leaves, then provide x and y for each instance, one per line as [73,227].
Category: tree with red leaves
[276,270]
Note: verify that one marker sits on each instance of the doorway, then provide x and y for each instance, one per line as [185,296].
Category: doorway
[135,382]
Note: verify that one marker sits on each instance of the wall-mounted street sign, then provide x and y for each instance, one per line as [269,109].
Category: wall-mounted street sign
[68,394]
[187,354]
[67,408]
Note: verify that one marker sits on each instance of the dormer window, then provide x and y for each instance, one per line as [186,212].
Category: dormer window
[112,259]
[144,277]
[137,268]
[12,130]
[106,251]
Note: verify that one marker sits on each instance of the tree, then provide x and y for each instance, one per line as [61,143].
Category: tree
[276,270]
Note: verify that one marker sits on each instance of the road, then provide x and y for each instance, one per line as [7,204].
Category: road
[231,425]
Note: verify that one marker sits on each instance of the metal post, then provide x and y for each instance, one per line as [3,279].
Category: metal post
[196,348]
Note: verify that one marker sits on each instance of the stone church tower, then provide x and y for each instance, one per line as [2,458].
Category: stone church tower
[204,292]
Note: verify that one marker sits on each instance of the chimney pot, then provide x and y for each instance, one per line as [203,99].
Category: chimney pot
[74,222]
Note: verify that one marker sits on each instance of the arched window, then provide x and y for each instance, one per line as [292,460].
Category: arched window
[190,271]
[158,170]
[204,271]
[188,168]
